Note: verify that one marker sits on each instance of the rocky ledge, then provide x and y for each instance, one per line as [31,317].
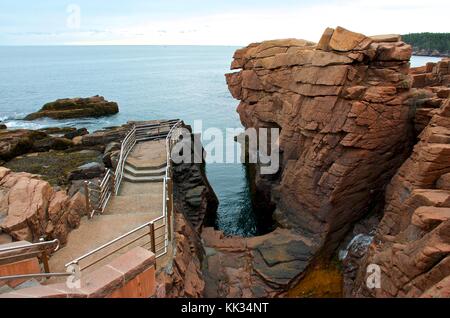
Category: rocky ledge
[95,106]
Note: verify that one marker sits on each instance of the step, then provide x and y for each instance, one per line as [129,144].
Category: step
[131,188]
[137,203]
[131,178]
[135,165]
[133,169]
[144,172]
[148,155]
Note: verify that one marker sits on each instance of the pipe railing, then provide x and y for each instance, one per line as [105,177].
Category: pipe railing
[148,234]
[42,249]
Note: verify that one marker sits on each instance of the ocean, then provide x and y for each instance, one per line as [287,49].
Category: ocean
[148,82]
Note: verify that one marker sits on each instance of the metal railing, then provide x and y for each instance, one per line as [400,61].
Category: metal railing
[154,235]
[97,195]
[41,250]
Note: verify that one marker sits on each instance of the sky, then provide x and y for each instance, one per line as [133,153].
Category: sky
[208,22]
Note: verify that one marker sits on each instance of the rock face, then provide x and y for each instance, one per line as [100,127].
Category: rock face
[194,194]
[195,205]
[430,89]
[412,244]
[345,127]
[95,106]
[30,208]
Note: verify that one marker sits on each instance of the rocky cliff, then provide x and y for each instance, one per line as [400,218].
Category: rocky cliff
[345,129]
[411,245]
[195,206]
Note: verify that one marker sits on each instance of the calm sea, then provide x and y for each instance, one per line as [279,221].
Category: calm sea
[148,82]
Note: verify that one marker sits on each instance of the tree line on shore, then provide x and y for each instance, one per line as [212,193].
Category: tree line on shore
[429,41]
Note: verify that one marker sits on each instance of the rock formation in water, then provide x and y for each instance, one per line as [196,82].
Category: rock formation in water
[95,106]
[345,130]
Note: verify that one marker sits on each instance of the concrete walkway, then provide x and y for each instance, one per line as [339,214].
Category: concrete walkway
[139,201]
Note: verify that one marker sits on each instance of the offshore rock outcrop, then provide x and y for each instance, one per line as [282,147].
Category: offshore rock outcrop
[345,130]
[95,106]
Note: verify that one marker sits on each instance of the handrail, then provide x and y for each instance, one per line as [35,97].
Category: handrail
[111,180]
[41,253]
[37,275]
[31,245]
[125,149]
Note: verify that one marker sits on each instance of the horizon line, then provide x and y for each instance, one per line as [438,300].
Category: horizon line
[87,44]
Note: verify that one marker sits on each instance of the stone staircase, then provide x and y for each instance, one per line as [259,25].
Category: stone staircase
[134,173]
[147,162]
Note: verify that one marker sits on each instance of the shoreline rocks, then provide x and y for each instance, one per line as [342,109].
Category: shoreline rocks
[30,208]
[429,52]
[95,106]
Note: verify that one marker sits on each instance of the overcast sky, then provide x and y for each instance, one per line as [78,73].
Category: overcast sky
[208,22]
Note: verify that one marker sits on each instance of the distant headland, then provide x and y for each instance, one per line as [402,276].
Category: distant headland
[429,44]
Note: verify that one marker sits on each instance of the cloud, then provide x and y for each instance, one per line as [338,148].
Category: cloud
[240,27]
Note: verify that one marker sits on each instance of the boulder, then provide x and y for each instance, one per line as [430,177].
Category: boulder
[344,40]
[18,142]
[76,133]
[105,136]
[3,126]
[111,154]
[33,209]
[51,143]
[443,182]
[95,106]
[88,171]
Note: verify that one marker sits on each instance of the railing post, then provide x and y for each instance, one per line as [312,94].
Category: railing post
[44,257]
[169,208]
[86,197]
[152,238]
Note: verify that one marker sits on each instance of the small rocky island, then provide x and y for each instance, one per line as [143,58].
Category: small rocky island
[95,106]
